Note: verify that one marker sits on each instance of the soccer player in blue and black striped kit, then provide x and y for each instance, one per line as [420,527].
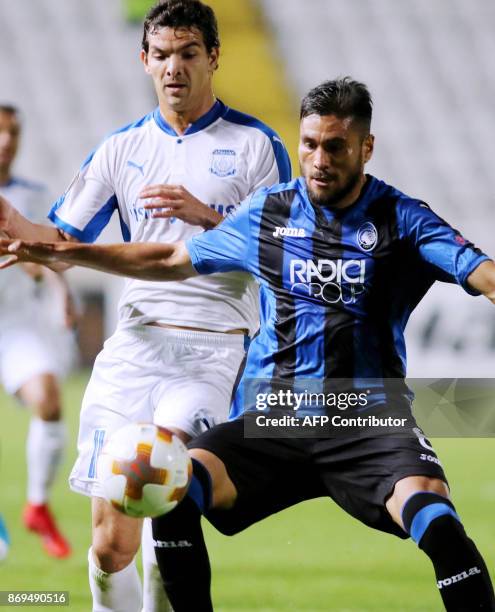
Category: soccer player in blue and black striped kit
[342,259]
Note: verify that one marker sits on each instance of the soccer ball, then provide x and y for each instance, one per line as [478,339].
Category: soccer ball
[144,470]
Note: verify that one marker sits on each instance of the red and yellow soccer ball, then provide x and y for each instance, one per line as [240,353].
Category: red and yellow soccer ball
[144,470]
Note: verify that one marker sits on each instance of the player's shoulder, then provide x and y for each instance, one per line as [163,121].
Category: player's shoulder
[248,122]
[388,196]
[253,207]
[279,191]
[407,212]
[130,130]
[407,204]
[119,138]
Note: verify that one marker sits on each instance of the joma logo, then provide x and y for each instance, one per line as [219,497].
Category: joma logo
[295,232]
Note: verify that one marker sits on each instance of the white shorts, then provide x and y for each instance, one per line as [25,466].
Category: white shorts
[25,352]
[174,378]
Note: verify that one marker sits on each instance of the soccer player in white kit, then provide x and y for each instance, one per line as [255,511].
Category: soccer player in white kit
[178,347]
[29,363]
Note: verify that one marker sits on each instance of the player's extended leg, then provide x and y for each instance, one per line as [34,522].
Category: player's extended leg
[113,576]
[210,488]
[422,507]
[44,450]
[195,394]
[154,596]
[162,546]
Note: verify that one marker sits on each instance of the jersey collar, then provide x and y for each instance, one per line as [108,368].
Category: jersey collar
[216,111]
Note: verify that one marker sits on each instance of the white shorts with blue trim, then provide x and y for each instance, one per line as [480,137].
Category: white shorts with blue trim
[174,378]
[26,351]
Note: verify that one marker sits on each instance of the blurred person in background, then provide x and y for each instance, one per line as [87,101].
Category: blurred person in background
[4,539]
[33,347]
[4,536]
[178,347]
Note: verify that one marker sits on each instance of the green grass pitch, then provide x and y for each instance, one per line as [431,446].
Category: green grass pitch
[311,557]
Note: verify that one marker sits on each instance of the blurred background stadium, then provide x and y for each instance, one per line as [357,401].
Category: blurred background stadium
[72,66]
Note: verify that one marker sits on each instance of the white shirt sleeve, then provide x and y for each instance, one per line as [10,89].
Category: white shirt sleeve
[89,201]
[273,164]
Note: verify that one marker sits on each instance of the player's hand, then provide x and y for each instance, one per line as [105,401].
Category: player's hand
[168,201]
[7,211]
[21,251]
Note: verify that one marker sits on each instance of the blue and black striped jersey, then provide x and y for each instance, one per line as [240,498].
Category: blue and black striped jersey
[336,286]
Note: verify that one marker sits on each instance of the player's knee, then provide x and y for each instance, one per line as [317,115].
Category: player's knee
[406,488]
[49,410]
[111,551]
[109,557]
[116,538]
[222,490]
[427,515]
[42,393]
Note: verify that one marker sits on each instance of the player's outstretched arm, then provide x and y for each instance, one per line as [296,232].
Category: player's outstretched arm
[15,225]
[483,279]
[146,261]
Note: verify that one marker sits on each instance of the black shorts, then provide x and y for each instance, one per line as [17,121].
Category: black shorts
[358,473]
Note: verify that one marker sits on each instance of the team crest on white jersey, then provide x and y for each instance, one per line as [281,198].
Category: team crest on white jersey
[223,162]
[367,236]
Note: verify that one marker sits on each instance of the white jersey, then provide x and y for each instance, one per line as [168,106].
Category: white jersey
[221,158]
[16,287]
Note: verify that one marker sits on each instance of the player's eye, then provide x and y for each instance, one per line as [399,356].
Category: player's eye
[336,147]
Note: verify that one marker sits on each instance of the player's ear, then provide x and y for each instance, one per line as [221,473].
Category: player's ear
[213,58]
[144,58]
[368,145]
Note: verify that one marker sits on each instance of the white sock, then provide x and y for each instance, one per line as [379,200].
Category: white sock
[154,597]
[44,449]
[116,592]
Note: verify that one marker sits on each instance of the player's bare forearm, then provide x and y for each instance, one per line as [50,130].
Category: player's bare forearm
[26,230]
[145,261]
[14,225]
[483,280]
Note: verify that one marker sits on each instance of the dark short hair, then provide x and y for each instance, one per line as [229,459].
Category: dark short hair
[182,14]
[342,97]
[9,108]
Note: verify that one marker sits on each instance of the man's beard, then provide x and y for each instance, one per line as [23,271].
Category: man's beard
[331,201]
